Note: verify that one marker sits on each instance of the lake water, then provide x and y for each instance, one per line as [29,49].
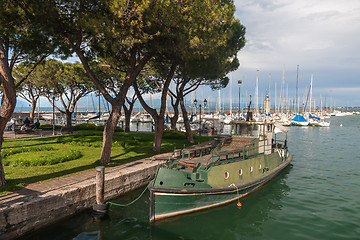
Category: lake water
[316,197]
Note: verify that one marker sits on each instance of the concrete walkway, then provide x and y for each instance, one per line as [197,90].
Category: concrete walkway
[40,204]
[44,133]
[40,189]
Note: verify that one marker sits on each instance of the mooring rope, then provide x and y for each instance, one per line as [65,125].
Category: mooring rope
[237,192]
[127,204]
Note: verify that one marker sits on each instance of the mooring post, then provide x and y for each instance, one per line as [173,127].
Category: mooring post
[100,179]
[100,208]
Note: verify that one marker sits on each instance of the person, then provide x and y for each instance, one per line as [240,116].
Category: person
[37,125]
[27,122]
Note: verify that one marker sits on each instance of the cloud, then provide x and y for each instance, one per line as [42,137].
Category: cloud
[322,36]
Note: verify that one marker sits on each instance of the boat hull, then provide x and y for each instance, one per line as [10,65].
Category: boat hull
[168,202]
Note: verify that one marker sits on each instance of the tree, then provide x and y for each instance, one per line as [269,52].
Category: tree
[19,41]
[126,34]
[29,90]
[68,82]
[158,116]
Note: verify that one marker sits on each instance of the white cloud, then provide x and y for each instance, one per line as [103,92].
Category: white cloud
[322,36]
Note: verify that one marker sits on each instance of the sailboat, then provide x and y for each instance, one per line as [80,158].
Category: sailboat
[299,120]
[316,121]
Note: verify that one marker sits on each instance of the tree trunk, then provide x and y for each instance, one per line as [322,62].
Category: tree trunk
[8,102]
[68,120]
[109,133]
[159,130]
[174,119]
[128,112]
[32,113]
[186,121]
[127,121]
[2,172]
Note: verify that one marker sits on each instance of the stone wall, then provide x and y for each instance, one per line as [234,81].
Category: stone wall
[51,206]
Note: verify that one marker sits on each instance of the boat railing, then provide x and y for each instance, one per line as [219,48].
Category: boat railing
[281,147]
[249,150]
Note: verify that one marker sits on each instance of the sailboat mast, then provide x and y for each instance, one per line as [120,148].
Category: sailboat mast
[282,93]
[297,87]
[256,93]
[311,82]
[230,95]
[219,98]
[269,92]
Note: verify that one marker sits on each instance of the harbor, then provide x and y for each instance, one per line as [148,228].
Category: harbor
[313,198]
[179,120]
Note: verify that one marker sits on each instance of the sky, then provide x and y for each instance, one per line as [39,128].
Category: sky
[322,37]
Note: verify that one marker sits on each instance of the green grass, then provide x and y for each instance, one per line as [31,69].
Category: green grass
[31,160]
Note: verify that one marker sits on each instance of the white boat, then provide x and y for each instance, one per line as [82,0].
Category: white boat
[317,122]
[299,120]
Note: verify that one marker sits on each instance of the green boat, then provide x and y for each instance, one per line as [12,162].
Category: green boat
[218,172]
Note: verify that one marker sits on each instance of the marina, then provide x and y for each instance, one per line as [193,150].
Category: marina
[313,198]
[179,120]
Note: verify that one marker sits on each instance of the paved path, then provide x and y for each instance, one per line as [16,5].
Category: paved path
[42,189]
[45,133]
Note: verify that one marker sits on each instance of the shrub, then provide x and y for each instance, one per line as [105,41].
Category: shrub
[10,151]
[90,126]
[47,160]
[173,134]
[50,127]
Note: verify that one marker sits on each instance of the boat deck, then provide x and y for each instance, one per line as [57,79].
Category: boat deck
[230,148]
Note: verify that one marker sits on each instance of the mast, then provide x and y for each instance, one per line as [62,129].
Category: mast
[297,86]
[230,94]
[282,93]
[219,98]
[311,82]
[276,109]
[269,92]
[256,93]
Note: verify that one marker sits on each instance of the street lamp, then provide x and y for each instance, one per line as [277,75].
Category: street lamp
[195,103]
[53,117]
[239,82]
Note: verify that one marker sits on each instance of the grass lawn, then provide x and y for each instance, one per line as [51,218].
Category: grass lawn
[31,160]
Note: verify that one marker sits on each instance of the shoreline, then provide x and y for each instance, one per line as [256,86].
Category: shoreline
[41,204]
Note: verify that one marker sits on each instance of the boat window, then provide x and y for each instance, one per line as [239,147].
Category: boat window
[248,130]
[226,175]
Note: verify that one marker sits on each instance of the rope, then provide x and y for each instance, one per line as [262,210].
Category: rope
[128,204]
[237,191]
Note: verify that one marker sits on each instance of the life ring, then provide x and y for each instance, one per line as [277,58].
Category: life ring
[226,175]
[260,166]
[251,169]
[240,172]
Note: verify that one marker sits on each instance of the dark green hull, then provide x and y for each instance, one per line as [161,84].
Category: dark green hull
[176,192]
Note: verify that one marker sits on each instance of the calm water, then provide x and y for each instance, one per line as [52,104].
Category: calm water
[317,197]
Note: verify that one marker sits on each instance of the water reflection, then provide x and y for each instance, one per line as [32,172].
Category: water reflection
[132,222]
[228,222]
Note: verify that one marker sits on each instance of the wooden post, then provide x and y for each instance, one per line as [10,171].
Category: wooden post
[100,180]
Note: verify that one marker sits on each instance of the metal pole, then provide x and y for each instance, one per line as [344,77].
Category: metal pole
[53,114]
[239,82]
[200,121]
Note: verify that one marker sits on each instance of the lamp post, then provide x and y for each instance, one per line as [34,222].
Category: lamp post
[239,82]
[53,98]
[195,103]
